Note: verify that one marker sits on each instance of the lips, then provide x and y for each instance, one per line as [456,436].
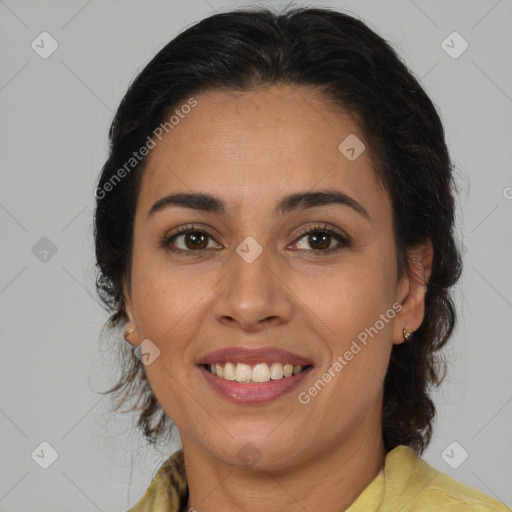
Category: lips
[253,356]
[255,391]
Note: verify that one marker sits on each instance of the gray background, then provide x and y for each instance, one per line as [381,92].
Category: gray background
[55,114]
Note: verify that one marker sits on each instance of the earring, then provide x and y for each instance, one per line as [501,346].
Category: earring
[127,333]
[407,334]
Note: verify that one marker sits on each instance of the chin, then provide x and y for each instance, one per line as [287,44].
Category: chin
[258,453]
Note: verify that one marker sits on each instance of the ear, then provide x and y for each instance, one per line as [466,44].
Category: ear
[128,307]
[130,330]
[411,291]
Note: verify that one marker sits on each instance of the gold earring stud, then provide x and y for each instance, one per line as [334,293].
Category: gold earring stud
[127,333]
[407,334]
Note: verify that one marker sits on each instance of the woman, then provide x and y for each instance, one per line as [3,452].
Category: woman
[274,233]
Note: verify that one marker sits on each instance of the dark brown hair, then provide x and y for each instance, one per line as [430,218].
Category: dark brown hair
[341,57]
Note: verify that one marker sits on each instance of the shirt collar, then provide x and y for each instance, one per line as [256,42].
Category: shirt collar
[168,491]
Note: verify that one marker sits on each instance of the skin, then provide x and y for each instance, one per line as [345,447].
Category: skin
[265,144]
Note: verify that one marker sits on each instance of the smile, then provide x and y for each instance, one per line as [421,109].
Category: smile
[252,375]
[261,372]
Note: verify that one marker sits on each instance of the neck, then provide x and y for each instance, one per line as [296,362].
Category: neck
[330,481]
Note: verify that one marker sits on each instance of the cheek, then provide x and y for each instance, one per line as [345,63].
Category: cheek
[353,317]
[164,295]
[169,312]
[349,298]
[356,307]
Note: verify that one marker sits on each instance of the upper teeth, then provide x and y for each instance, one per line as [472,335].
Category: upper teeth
[261,372]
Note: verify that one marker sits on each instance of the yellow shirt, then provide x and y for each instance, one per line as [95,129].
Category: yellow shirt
[405,484]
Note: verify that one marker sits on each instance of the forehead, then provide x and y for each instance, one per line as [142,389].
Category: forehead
[245,146]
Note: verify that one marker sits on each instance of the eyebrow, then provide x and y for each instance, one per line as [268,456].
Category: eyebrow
[298,201]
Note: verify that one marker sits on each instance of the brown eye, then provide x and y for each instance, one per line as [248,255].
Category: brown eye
[319,241]
[188,240]
[320,238]
[195,240]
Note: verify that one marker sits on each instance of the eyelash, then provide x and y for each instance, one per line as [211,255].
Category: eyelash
[344,241]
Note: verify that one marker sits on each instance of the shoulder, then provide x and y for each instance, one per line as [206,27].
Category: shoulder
[427,489]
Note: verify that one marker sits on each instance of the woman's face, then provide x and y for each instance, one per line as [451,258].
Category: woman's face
[257,281]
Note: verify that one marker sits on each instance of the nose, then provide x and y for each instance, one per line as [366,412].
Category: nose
[253,296]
